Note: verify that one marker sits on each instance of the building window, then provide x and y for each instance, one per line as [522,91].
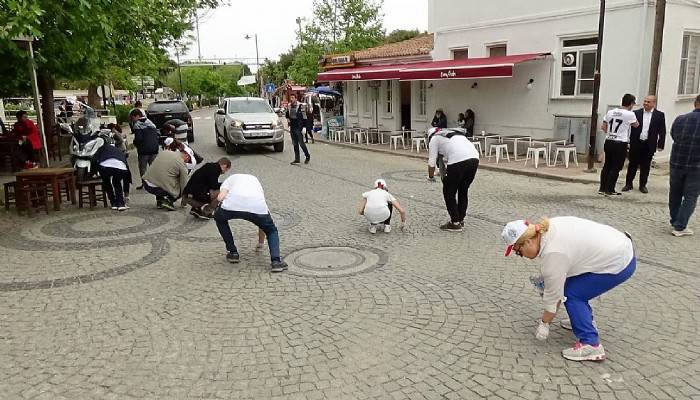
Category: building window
[368,99]
[461,54]
[577,67]
[689,79]
[352,97]
[389,98]
[497,51]
[422,98]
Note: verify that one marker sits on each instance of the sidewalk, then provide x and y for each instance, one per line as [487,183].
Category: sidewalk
[574,173]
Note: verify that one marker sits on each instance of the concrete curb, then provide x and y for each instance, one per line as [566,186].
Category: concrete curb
[532,174]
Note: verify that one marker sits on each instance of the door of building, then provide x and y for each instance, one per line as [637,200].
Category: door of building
[406,104]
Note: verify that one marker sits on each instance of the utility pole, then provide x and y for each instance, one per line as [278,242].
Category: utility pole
[299,24]
[257,63]
[199,48]
[657,46]
[179,72]
[596,90]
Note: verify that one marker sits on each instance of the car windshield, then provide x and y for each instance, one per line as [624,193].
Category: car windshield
[248,106]
[167,106]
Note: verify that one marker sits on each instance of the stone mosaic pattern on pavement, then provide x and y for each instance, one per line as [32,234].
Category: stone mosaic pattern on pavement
[142,304]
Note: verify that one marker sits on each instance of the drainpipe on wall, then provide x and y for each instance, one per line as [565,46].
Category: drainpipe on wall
[657,46]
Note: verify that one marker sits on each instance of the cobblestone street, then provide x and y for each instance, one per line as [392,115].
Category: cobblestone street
[142,304]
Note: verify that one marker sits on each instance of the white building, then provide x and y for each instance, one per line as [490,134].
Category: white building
[526,92]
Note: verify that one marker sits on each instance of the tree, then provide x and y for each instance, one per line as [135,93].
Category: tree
[81,39]
[399,35]
[208,81]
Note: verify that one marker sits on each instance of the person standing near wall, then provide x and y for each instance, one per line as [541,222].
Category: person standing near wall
[617,125]
[645,139]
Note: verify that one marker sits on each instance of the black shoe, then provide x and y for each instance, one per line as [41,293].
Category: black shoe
[278,266]
[627,188]
[616,193]
[461,223]
[307,160]
[197,213]
[233,258]
[452,227]
[139,187]
[643,189]
[295,162]
[159,204]
[168,205]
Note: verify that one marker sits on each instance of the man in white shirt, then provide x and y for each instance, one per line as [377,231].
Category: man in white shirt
[644,141]
[462,161]
[617,125]
[242,197]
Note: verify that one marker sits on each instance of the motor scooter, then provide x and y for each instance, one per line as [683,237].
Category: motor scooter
[88,138]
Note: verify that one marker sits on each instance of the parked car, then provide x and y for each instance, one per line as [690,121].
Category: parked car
[243,121]
[159,112]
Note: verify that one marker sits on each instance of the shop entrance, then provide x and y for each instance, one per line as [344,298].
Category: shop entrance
[406,104]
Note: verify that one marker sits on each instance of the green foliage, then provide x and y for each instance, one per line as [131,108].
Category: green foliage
[122,113]
[208,81]
[399,35]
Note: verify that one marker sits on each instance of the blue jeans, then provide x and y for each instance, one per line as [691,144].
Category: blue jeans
[298,141]
[262,221]
[683,196]
[580,289]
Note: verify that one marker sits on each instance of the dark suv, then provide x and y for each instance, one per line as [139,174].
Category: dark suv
[163,111]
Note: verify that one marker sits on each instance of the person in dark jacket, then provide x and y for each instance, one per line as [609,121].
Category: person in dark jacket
[146,140]
[469,122]
[685,170]
[116,177]
[645,139]
[203,188]
[296,117]
[440,119]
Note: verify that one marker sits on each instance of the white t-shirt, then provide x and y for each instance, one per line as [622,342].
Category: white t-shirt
[646,121]
[575,246]
[453,150]
[244,194]
[620,123]
[377,207]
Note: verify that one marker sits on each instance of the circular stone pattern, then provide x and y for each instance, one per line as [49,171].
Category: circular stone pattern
[333,261]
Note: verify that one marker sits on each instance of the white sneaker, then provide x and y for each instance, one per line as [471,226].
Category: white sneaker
[684,232]
[115,208]
[584,352]
[373,229]
[387,228]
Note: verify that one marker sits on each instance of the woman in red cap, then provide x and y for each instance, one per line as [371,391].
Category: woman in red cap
[581,260]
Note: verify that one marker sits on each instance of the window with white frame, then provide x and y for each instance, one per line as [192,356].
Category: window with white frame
[498,50]
[368,99]
[352,97]
[389,98]
[460,54]
[689,78]
[422,98]
[578,57]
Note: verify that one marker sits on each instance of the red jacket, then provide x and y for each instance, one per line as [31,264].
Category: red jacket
[29,129]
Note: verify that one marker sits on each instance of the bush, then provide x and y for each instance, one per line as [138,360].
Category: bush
[122,113]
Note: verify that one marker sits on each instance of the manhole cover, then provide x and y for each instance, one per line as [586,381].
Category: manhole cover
[332,261]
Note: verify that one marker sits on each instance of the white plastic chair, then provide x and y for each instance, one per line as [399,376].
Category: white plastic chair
[500,150]
[566,150]
[477,145]
[394,140]
[417,141]
[535,153]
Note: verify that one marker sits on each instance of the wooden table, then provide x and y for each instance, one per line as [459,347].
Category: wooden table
[53,177]
[10,146]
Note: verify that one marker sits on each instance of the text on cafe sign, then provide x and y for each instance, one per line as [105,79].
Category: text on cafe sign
[356,76]
[448,74]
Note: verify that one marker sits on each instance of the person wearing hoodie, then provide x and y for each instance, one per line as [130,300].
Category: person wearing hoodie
[146,140]
[116,177]
[28,133]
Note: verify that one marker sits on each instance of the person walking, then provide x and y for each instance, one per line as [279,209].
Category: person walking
[242,197]
[115,174]
[146,140]
[685,170]
[462,161]
[296,119]
[617,125]
[645,139]
[166,178]
[203,186]
[581,260]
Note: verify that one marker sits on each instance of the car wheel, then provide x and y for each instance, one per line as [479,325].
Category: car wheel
[230,147]
[218,140]
[279,147]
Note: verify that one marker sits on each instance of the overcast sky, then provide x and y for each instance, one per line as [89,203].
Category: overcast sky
[222,31]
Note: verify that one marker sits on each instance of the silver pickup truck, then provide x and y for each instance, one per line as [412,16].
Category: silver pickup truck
[247,121]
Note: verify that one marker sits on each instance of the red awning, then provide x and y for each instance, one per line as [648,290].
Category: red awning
[368,73]
[491,67]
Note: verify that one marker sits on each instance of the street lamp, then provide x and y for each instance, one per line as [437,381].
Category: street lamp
[257,62]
